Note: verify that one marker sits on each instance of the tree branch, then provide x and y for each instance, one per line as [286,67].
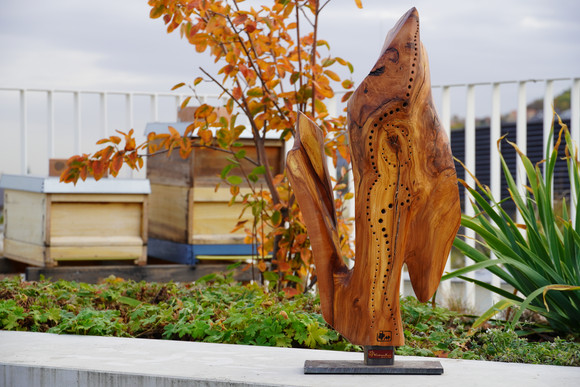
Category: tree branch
[313,59]
[300,107]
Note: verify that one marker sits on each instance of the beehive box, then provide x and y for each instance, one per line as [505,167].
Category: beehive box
[185,206]
[47,222]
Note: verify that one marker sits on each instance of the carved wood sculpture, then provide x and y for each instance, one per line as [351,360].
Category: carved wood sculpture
[407,201]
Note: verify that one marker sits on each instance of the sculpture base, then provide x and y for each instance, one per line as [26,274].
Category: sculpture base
[378,360]
[409,367]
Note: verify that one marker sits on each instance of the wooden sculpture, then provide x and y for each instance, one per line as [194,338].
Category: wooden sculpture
[407,201]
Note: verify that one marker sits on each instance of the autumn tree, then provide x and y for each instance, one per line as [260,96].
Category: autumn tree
[272,65]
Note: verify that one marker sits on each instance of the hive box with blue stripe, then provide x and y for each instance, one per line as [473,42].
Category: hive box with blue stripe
[188,216]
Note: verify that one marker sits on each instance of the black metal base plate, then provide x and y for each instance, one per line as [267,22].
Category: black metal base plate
[405,367]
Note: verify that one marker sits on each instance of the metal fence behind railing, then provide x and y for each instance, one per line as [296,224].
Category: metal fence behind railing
[38,124]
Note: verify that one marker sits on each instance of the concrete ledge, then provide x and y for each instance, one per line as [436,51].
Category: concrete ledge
[40,359]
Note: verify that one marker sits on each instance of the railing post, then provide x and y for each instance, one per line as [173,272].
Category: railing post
[495,167]
[446,109]
[575,133]
[129,110]
[23,134]
[129,122]
[575,110]
[77,122]
[548,118]
[177,105]
[104,114]
[50,123]
[470,164]
[521,140]
[445,287]
[153,106]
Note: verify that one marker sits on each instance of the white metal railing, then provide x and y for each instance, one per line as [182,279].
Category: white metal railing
[76,111]
[495,128]
[16,152]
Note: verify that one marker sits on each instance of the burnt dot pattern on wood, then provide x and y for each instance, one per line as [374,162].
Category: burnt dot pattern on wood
[406,202]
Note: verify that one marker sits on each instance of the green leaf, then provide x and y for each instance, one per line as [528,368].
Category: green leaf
[240,154]
[271,276]
[255,92]
[259,170]
[328,62]
[495,309]
[129,301]
[294,77]
[234,180]
[276,218]
[316,335]
[226,170]
[233,161]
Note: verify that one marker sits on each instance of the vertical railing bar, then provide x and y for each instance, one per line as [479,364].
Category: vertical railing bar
[129,110]
[470,165]
[495,134]
[178,99]
[129,121]
[23,133]
[77,121]
[154,115]
[446,109]
[445,287]
[329,163]
[104,114]
[50,124]
[495,167]
[575,133]
[521,140]
[154,106]
[548,118]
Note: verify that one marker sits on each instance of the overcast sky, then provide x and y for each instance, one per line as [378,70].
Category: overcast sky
[113,45]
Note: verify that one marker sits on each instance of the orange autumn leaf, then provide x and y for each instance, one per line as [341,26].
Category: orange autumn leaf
[116,163]
[98,168]
[265,74]
[262,265]
[290,292]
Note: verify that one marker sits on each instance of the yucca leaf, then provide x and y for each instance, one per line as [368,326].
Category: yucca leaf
[470,268]
[494,289]
[495,309]
[544,257]
[477,256]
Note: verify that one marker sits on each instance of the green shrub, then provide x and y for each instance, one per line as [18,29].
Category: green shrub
[226,312]
[543,260]
[506,346]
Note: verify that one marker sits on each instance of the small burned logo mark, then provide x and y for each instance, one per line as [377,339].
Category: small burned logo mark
[384,336]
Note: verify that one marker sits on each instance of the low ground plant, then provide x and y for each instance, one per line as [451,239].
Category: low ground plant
[221,311]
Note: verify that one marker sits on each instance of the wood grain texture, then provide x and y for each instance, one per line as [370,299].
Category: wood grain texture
[168,213]
[407,203]
[203,167]
[42,228]
[24,216]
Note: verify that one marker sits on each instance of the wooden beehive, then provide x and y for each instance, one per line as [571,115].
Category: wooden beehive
[47,222]
[185,206]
